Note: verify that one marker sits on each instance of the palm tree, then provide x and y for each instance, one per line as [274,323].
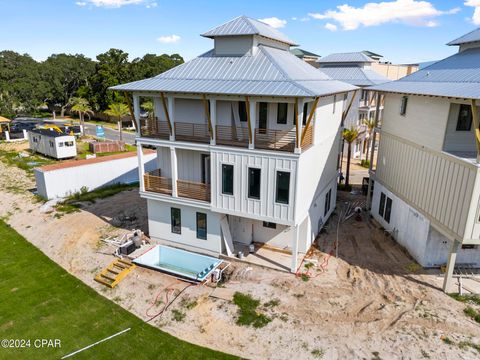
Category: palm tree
[349,135]
[148,107]
[118,110]
[370,125]
[82,108]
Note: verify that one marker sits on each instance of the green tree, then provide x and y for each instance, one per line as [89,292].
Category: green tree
[370,125]
[118,110]
[82,108]
[151,65]
[349,135]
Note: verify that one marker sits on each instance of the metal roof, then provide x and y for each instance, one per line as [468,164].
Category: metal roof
[354,75]
[48,132]
[472,36]
[456,76]
[301,53]
[351,57]
[270,72]
[244,25]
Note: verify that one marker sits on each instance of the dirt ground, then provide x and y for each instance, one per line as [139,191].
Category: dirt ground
[366,303]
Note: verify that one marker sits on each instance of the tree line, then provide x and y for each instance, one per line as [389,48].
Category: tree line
[68,83]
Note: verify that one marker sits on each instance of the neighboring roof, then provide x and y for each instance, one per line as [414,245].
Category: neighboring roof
[301,53]
[351,57]
[456,76]
[4,119]
[472,36]
[354,75]
[74,163]
[244,25]
[270,72]
[48,132]
[372,54]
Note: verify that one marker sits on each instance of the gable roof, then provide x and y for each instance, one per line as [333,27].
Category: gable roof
[269,72]
[354,75]
[456,76]
[472,36]
[244,25]
[350,57]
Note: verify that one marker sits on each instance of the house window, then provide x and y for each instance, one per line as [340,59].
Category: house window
[282,111]
[305,113]
[283,187]
[242,111]
[60,144]
[388,210]
[385,207]
[328,200]
[176,220]
[254,183]
[262,117]
[51,143]
[201,226]
[227,179]
[381,207]
[269,225]
[403,106]
[334,102]
[464,121]
[68,143]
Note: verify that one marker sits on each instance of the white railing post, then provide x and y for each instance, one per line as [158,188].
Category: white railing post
[141,168]
[253,122]
[7,136]
[174,171]
[25,134]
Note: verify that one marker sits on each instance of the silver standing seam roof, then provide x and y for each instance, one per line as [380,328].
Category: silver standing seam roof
[354,75]
[269,72]
[472,36]
[350,57]
[456,76]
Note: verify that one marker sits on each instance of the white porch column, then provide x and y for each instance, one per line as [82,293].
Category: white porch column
[174,171]
[136,112]
[298,126]
[25,134]
[452,257]
[141,168]
[253,122]
[7,136]
[213,120]
[293,269]
[171,114]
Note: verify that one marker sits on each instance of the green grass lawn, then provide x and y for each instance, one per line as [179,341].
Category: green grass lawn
[40,300]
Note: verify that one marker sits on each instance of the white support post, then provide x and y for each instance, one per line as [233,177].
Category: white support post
[171,114]
[253,121]
[25,134]
[213,120]
[298,126]
[174,171]
[452,257]
[136,112]
[7,136]
[295,250]
[141,168]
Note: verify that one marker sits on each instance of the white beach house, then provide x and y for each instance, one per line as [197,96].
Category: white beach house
[247,137]
[54,144]
[427,177]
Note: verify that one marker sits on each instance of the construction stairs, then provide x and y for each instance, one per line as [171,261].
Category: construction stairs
[114,272]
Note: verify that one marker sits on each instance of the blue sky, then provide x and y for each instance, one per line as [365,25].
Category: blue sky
[404,31]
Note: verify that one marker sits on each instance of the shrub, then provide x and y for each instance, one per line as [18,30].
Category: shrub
[248,314]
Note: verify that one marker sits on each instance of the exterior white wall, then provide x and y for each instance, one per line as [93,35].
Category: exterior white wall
[159,225]
[50,145]
[66,181]
[233,45]
[458,140]
[260,40]
[424,123]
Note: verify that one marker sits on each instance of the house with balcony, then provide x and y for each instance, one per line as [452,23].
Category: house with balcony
[355,68]
[427,176]
[247,137]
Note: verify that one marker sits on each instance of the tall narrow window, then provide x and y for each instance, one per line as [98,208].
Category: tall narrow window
[254,183]
[388,210]
[227,179]
[176,220]
[201,226]
[381,207]
[464,121]
[334,103]
[282,193]
[328,201]
[282,111]
[262,117]
[403,106]
[305,113]
[242,110]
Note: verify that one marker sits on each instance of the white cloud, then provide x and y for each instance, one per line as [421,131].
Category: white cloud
[81,3]
[411,12]
[274,22]
[117,3]
[476,13]
[169,39]
[331,27]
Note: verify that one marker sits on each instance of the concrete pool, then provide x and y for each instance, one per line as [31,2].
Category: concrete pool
[178,262]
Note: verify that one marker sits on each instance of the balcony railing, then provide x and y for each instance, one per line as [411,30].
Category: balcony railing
[156,183]
[155,128]
[232,135]
[192,132]
[275,139]
[193,190]
[308,139]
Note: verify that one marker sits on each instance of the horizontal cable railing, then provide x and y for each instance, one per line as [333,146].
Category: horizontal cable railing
[156,183]
[192,132]
[193,190]
[275,139]
[154,128]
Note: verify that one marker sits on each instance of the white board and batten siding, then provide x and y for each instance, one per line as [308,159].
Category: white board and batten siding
[439,185]
[239,204]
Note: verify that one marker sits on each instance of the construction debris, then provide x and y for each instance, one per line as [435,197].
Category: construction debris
[115,272]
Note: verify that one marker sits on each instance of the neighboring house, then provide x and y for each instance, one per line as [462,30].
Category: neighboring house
[389,70]
[247,137]
[356,69]
[52,143]
[427,177]
[307,56]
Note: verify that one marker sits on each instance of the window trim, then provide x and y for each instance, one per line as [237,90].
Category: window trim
[276,186]
[233,179]
[259,185]
[172,226]
[197,227]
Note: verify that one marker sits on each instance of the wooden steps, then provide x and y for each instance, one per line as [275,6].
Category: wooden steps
[114,272]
